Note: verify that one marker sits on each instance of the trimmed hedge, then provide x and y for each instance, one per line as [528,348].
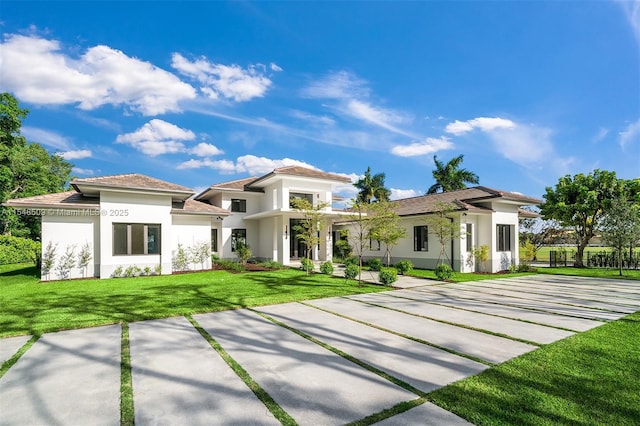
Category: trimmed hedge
[18,250]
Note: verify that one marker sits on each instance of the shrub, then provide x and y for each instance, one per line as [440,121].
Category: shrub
[375,264]
[84,257]
[180,259]
[352,260]
[18,250]
[351,271]
[230,265]
[404,267]
[443,271]
[243,252]
[132,271]
[158,269]
[117,273]
[66,263]
[326,268]
[272,264]
[48,259]
[388,276]
[307,264]
[147,270]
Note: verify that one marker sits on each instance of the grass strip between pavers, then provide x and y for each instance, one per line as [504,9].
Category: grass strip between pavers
[278,412]
[11,361]
[406,336]
[127,417]
[455,324]
[376,417]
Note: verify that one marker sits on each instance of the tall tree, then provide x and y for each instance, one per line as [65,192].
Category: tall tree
[441,224]
[26,169]
[621,227]
[386,227]
[580,202]
[450,177]
[372,188]
[312,222]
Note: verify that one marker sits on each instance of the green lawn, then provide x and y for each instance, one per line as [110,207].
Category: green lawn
[592,272]
[31,307]
[588,379]
[459,277]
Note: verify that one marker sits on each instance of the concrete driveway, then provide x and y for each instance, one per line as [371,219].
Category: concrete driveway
[327,361]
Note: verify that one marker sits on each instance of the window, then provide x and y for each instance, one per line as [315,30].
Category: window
[374,245]
[299,196]
[214,240]
[469,237]
[504,237]
[136,238]
[238,236]
[238,205]
[420,238]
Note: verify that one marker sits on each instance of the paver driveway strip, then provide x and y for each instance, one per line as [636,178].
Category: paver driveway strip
[509,327]
[178,378]
[65,378]
[545,318]
[487,347]
[427,414]
[314,385]
[10,345]
[424,367]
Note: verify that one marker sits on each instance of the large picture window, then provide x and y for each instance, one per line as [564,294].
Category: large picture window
[238,236]
[238,205]
[299,196]
[420,238]
[136,238]
[504,237]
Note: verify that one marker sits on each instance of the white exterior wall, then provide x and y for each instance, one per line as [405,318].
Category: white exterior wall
[236,221]
[505,214]
[64,231]
[189,231]
[134,208]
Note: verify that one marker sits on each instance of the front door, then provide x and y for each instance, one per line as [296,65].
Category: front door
[297,247]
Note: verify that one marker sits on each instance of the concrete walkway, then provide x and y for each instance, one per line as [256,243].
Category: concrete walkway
[426,336]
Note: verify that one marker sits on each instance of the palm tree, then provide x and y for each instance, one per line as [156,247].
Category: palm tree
[372,187]
[449,177]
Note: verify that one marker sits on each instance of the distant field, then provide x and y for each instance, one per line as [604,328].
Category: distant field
[543,252]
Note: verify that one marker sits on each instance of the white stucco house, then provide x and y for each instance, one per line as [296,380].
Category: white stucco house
[132,219]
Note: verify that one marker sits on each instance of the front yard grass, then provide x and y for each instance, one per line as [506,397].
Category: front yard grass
[588,379]
[32,307]
[627,274]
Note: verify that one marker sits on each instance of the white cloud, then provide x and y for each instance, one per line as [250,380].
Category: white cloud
[526,145]
[41,74]
[485,124]
[157,137]
[75,154]
[381,117]
[228,81]
[223,166]
[337,85]
[631,9]
[398,194]
[602,133]
[315,120]
[275,67]
[205,150]
[261,165]
[45,137]
[428,146]
[630,134]
[83,172]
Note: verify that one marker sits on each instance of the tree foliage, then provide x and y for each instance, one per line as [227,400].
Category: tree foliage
[443,227]
[312,222]
[372,188]
[387,228]
[621,227]
[26,169]
[450,177]
[580,202]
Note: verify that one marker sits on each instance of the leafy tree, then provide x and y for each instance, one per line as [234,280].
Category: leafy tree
[26,169]
[621,227]
[387,228]
[539,232]
[372,187]
[580,202]
[450,177]
[360,230]
[308,229]
[443,227]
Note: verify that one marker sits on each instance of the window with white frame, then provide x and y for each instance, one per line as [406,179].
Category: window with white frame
[504,237]
[238,236]
[136,238]
[238,205]
[420,238]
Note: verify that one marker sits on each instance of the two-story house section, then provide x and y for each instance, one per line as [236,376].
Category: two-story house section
[262,215]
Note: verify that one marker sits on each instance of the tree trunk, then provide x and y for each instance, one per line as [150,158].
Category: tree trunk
[579,255]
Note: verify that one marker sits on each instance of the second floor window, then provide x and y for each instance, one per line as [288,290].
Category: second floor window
[238,205]
[299,196]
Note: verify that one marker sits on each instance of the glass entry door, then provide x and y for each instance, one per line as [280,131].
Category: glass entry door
[297,247]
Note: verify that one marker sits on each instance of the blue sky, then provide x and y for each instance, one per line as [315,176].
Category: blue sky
[200,92]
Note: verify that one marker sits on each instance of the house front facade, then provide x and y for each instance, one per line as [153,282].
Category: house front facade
[135,221]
